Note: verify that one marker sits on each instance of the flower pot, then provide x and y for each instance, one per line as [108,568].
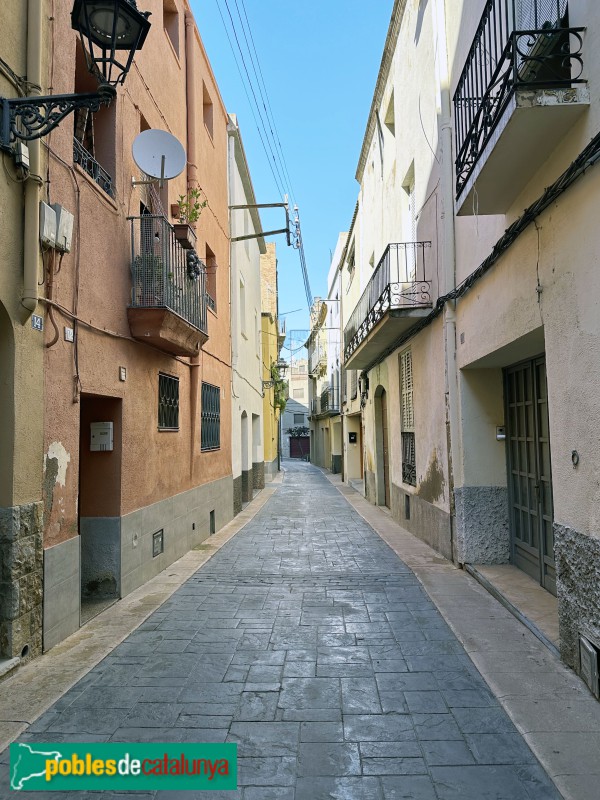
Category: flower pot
[185,235]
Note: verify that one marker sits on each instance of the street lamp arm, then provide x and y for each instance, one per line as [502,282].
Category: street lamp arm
[27,118]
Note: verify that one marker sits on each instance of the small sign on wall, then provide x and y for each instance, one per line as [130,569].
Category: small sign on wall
[352,437]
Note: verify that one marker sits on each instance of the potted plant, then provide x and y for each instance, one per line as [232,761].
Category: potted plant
[149,279]
[187,210]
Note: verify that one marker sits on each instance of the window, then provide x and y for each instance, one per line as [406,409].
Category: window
[171,23]
[351,265]
[211,278]
[353,384]
[298,419]
[298,394]
[409,469]
[242,307]
[210,419]
[168,402]
[207,110]
[390,117]
[302,369]
[94,136]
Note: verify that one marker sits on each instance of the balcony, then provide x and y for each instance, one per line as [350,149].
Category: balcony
[168,295]
[88,164]
[330,400]
[518,95]
[396,298]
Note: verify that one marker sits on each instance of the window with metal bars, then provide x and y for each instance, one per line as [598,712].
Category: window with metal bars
[409,467]
[210,419]
[168,402]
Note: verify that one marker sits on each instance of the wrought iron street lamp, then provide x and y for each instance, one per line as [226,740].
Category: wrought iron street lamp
[111,31]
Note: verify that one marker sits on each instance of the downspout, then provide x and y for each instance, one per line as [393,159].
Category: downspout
[31,237]
[192,179]
[449,268]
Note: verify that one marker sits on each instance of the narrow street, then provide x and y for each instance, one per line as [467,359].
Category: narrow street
[307,641]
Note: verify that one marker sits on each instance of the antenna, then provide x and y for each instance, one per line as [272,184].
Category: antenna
[159,155]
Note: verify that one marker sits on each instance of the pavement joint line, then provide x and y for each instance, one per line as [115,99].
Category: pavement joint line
[547,755]
[37,685]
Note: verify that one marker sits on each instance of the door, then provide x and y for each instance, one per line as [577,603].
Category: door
[529,470]
[386,458]
[299,446]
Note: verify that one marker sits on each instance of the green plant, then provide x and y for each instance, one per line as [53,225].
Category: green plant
[300,430]
[279,389]
[190,205]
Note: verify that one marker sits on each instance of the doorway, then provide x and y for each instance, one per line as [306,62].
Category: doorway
[531,511]
[99,505]
[382,441]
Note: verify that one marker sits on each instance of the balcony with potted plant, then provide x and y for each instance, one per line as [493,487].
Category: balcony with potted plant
[168,295]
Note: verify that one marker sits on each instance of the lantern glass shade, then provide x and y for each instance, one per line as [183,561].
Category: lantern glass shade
[108,27]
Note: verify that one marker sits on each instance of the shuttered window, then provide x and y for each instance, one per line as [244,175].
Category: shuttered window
[409,469]
[168,402]
[210,418]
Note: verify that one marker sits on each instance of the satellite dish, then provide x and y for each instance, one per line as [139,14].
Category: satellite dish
[159,154]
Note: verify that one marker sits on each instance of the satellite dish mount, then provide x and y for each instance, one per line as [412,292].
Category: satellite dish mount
[159,155]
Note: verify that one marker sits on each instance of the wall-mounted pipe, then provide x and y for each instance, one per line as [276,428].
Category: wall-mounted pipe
[31,233]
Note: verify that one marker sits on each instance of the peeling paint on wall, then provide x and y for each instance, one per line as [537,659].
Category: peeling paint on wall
[432,486]
[63,459]
[55,472]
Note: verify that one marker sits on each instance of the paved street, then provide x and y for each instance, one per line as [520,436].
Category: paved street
[307,641]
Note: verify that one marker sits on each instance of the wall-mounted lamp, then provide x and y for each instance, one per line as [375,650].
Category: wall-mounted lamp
[110,31]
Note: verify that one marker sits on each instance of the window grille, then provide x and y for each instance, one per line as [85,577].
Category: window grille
[168,402]
[353,384]
[409,469]
[210,420]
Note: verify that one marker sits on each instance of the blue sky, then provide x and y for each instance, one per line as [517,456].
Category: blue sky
[319,60]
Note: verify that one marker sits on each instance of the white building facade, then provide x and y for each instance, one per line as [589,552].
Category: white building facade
[246,348]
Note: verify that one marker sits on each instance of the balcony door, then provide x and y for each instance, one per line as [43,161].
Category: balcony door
[529,471]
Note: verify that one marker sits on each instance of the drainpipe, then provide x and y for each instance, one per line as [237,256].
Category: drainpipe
[192,178]
[31,237]
[449,267]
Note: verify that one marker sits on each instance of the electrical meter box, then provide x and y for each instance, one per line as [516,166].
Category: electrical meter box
[47,225]
[102,436]
[64,228]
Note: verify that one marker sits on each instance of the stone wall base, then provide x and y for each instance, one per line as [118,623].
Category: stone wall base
[482,526]
[21,577]
[577,557]
[258,475]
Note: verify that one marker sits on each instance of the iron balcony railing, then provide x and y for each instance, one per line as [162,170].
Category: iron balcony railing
[330,400]
[88,164]
[163,274]
[399,282]
[518,44]
[211,302]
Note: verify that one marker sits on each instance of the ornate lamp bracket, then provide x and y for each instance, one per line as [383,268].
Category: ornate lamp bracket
[27,118]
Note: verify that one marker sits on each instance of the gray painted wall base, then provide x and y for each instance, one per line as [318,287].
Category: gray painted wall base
[185,521]
[21,573]
[271,469]
[100,556]
[336,464]
[428,522]
[577,559]
[62,583]
[482,529]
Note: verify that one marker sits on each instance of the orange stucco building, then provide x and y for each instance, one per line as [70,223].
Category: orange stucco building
[134,335]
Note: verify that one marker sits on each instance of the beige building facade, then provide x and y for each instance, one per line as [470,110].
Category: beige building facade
[24,42]
[473,324]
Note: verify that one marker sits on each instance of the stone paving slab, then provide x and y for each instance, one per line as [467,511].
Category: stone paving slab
[309,643]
